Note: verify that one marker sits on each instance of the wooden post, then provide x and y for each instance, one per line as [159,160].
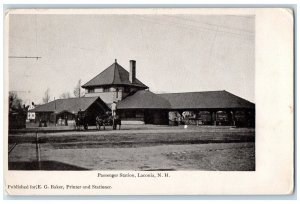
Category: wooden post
[38,155]
[229,116]
[233,117]
[213,117]
[54,118]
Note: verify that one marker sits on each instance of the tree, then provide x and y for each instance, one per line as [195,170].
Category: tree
[78,90]
[14,101]
[17,112]
[65,95]
[46,97]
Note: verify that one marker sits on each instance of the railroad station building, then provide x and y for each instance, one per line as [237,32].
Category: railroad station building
[135,103]
[114,83]
[63,111]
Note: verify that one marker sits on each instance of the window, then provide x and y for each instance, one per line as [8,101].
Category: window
[98,90]
[106,90]
[91,90]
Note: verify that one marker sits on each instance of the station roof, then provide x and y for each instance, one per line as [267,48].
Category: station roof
[115,74]
[144,99]
[71,105]
[189,100]
[206,99]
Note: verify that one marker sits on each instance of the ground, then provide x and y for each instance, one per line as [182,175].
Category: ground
[142,147]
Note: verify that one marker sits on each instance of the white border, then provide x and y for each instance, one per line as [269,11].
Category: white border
[174,2]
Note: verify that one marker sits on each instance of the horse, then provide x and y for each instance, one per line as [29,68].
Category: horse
[108,120]
[101,120]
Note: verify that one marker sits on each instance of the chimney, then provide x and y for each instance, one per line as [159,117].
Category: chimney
[132,71]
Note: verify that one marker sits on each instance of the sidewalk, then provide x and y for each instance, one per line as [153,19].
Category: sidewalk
[33,127]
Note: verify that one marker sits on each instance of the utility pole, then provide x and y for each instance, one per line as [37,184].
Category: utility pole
[55,112]
[79,88]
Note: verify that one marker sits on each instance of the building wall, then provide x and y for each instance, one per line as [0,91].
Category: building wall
[157,117]
[31,115]
[111,94]
[107,97]
[147,116]
[131,115]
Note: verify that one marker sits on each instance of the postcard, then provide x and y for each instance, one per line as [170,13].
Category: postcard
[185,101]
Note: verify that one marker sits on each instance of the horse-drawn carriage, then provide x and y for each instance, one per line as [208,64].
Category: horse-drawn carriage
[81,121]
[102,120]
[108,120]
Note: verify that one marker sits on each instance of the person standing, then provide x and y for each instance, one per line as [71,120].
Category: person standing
[66,120]
[113,108]
[113,112]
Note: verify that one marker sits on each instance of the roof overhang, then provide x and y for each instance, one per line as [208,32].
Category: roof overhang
[106,85]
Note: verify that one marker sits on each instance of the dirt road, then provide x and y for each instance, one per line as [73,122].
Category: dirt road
[162,148]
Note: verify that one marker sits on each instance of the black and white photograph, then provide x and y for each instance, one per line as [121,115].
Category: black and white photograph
[148,101]
[139,92]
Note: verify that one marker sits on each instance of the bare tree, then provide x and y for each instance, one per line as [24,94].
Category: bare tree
[78,90]
[17,112]
[46,97]
[14,101]
[65,95]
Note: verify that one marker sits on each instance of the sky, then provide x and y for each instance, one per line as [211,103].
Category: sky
[173,53]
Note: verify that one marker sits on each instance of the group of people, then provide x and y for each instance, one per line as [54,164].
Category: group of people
[63,121]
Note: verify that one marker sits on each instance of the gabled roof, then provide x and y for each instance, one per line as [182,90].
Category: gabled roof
[144,99]
[115,74]
[205,100]
[191,100]
[72,105]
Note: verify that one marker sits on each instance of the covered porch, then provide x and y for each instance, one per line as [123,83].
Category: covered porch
[64,111]
[224,117]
